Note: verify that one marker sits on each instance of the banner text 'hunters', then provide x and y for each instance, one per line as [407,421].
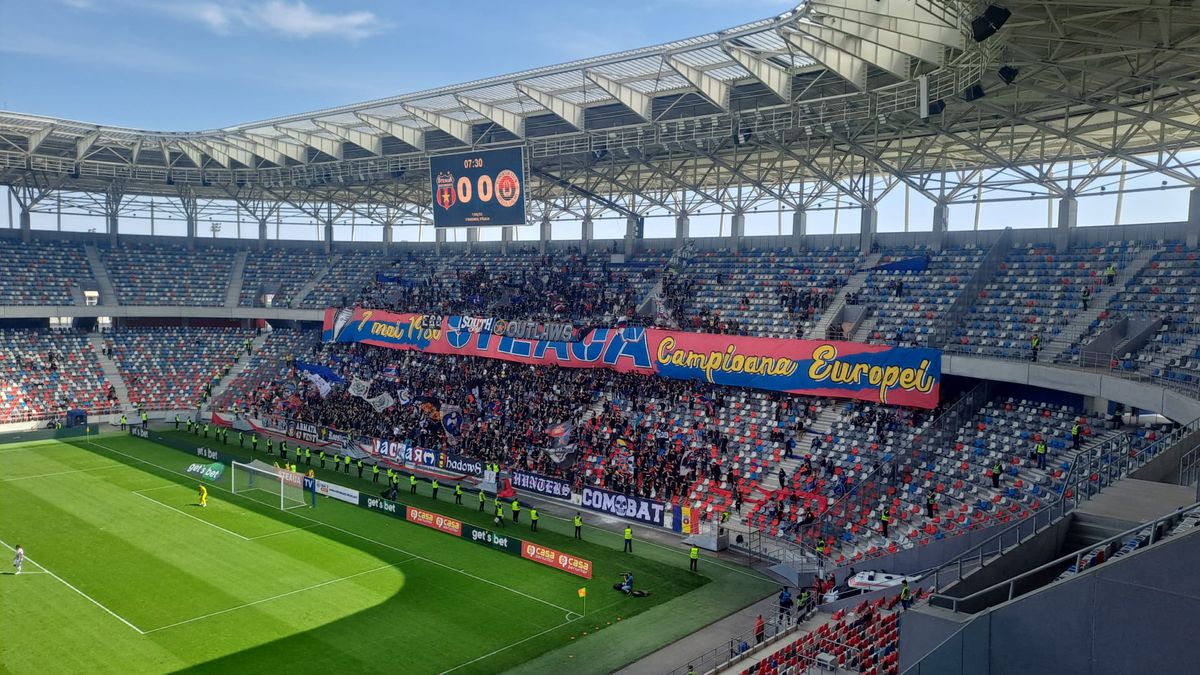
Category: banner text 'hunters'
[892,375]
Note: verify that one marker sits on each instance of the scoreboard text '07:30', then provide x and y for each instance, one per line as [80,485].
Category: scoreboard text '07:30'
[478,189]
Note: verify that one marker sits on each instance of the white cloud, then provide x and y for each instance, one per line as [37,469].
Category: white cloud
[293,19]
[79,4]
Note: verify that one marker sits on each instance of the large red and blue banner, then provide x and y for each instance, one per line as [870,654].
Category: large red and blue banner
[878,373]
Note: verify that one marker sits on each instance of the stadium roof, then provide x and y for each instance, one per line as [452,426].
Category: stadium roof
[824,98]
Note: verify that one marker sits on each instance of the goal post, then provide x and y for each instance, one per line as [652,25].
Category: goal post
[270,484]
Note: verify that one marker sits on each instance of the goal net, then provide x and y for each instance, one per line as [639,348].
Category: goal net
[269,484]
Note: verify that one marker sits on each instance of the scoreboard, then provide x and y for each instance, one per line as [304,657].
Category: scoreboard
[478,189]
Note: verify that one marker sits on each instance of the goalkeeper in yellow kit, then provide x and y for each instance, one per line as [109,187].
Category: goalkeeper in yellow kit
[203,495]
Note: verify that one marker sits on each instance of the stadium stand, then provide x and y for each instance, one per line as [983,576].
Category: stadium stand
[156,274]
[905,305]
[44,373]
[1037,291]
[171,368]
[282,271]
[41,273]
[271,362]
[865,640]
[776,293]
[348,275]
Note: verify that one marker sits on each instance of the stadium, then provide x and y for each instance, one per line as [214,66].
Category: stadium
[860,338]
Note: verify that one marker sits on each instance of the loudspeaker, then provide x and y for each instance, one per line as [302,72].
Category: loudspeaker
[973,92]
[936,107]
[985,25]
[1008,74]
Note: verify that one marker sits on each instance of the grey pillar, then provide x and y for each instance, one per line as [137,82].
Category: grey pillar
[633,226]
[439,240]
[26,226]
[114,228]
[799,230]
[388,237]
[1193,230]
[472,239]
[1068,218]
[867,228]
[544,234]
[506,237]
[941,222]
[262,234]
[328,237]
[193,224]
[683,230]
[737,229]
[587,233]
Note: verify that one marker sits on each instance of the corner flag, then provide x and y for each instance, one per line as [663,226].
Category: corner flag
[583,592]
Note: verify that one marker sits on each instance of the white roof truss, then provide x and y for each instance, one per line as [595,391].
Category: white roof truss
[456,128]
[710,87]
[370,142]
[84,144]
[35,139]
[570,112]
[411,135]
[505,118]
[846,65]
[631,98]
[278,146]
[273,156]
[193,153]
[906,18]
[895,62]
[329,146]
[772,76]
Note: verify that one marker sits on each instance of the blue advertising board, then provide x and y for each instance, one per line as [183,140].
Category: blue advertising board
[478,189]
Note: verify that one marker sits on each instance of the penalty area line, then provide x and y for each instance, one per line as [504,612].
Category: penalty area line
[87,597]
[199,520]
[509,646]
[275,597]
[318,523]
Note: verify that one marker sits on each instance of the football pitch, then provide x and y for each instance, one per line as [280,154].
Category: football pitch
[126,573]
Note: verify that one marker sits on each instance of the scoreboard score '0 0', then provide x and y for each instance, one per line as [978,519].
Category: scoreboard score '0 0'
[474,189]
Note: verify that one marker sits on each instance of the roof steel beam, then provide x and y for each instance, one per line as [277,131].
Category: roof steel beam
[36,138]
[273,156]
[888,59]
[569,112]
[710,87]
[770,75]
[370,142]
[930,51]
[509,120]
[411,135]
[846,65]
[906,18]
[279,146]
[84,144]
[629,97]
[456,128]
[329,146]
[193,153]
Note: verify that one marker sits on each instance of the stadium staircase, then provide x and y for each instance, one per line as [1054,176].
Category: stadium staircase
[307,288]
[234,292]
[853,285]
[110,370]
[242,364]
[1083,321]
[108,295]
[865,329]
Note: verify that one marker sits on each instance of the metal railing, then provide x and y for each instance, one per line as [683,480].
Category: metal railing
[1090,472]
[986,271]
[1011,585]
[729,651]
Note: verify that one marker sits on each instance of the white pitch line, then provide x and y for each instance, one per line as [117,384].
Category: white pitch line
[506,647]
[89,598]
[352,534]
[159,487]
[62,473]
[199,520]
[275,534]
[273,597]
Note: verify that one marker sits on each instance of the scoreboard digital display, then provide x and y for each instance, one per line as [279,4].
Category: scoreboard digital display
[478,189]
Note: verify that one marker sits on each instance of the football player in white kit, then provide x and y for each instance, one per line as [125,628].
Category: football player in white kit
[19,559]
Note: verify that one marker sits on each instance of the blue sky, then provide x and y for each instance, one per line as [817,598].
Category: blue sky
[179,65]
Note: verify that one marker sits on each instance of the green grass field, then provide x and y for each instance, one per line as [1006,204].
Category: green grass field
[125,573]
